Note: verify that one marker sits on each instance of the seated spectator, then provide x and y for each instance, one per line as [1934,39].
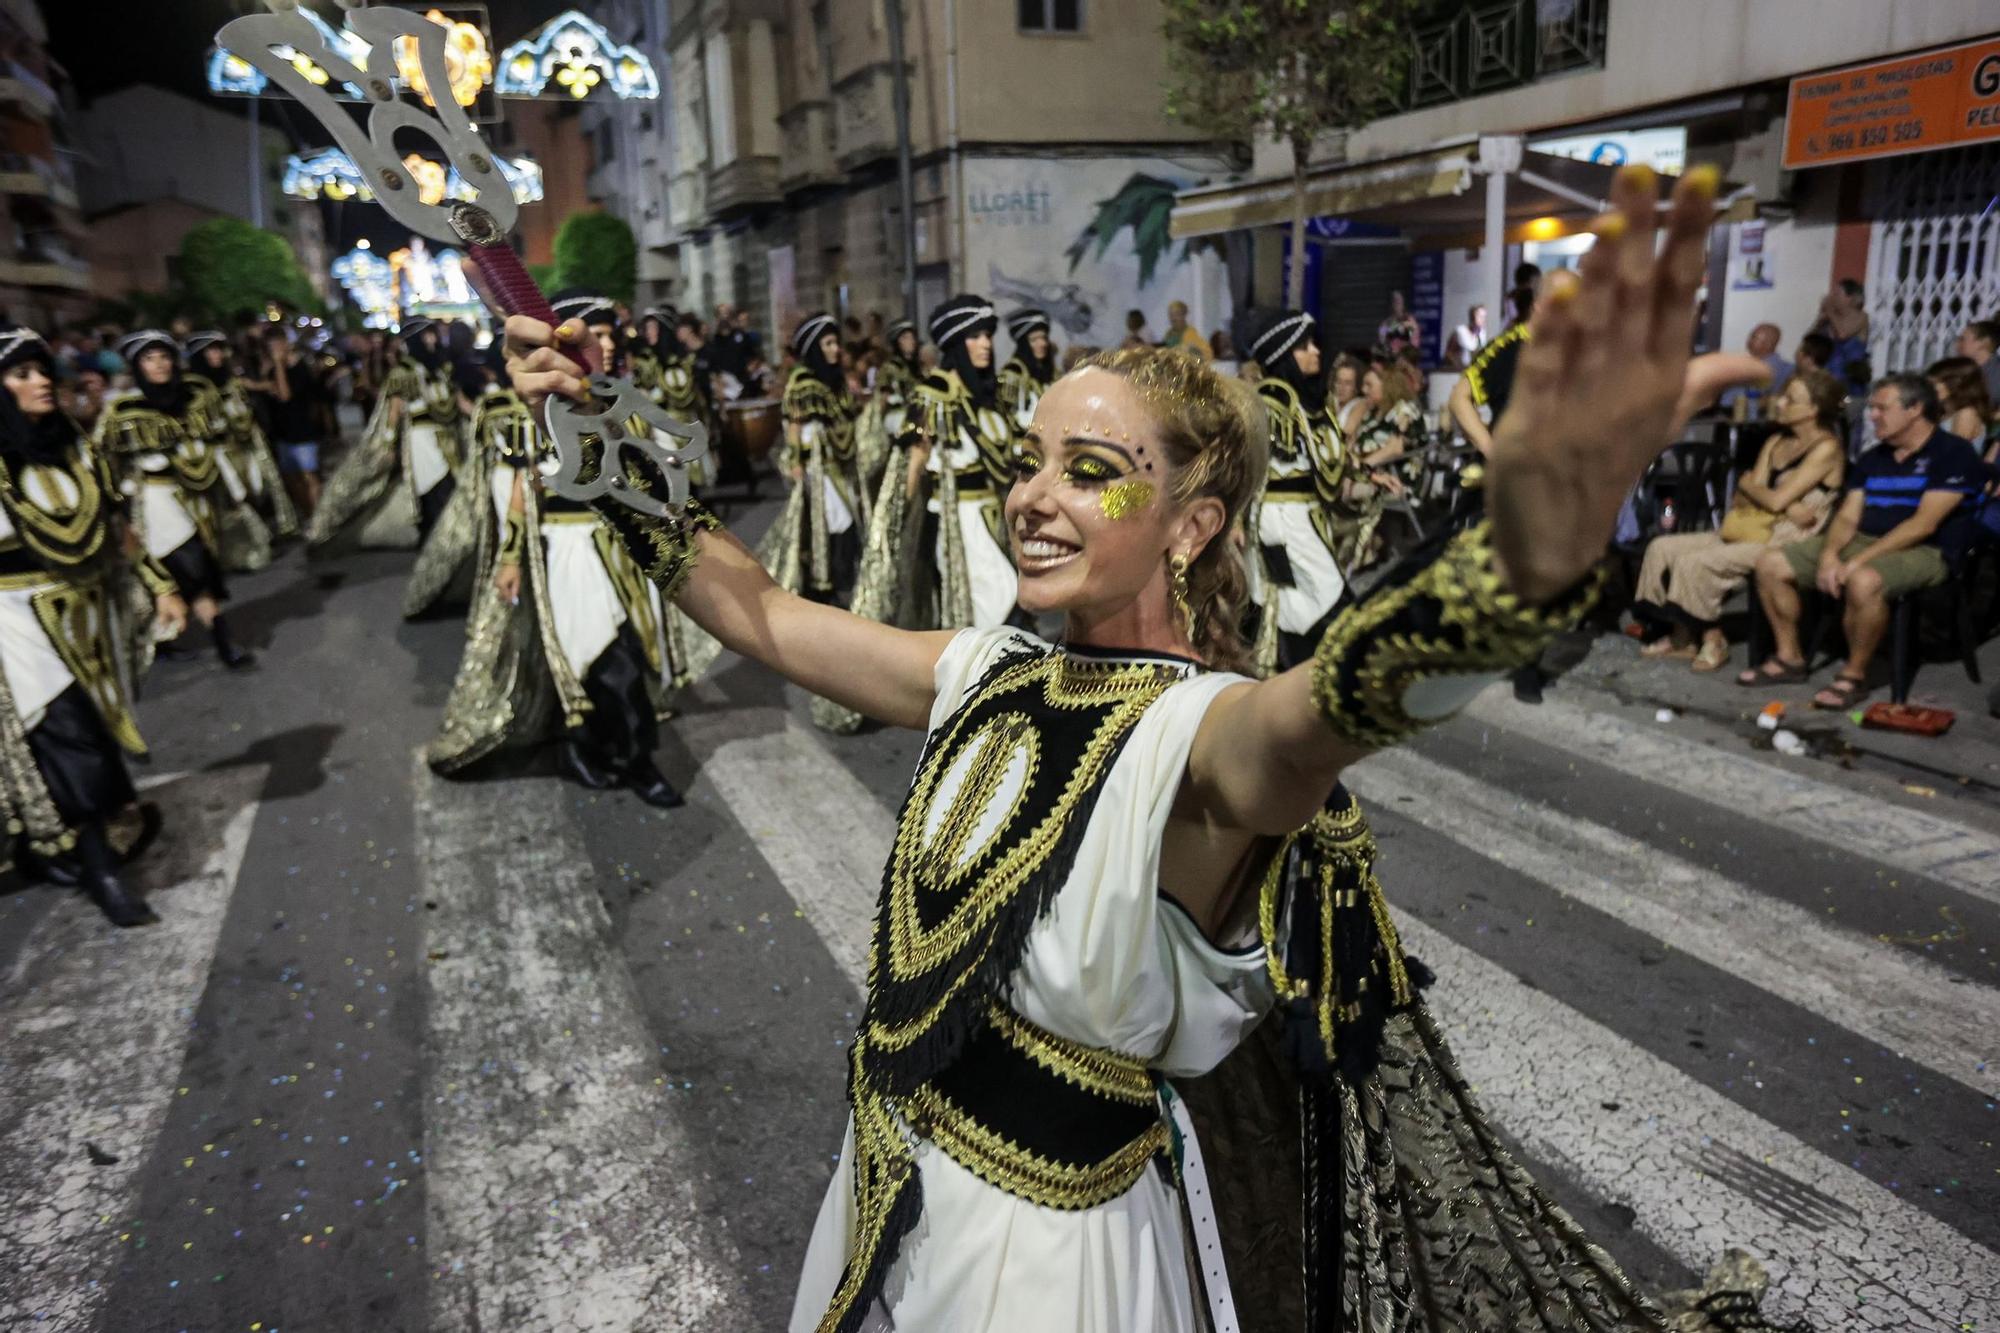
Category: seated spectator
[1345,389]
[1843,320]
[1385,419]
[1814,351]
[1762,344]
[1135,330]
[1183,335]
[1961,389]
[1786,496]
[1979,342]
[1904,507]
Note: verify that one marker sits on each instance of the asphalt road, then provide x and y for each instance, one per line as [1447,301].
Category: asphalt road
[409,1054]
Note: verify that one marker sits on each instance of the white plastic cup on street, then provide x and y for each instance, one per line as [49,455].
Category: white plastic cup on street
[1664,715]
[1788,742]
[1767,722]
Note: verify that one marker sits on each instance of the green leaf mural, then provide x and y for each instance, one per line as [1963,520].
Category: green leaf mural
[1146,205]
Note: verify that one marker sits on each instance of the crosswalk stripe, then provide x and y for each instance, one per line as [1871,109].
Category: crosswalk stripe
[820,830]
[1943,849]
[560,1183]
[1702,1173]
[1699,1172]
[97,1025]
[1899,1000]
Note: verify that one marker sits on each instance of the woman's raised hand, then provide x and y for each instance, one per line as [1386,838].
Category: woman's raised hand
[1605,383]
[536,368]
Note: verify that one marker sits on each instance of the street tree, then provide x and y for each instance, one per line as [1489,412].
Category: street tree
[596,252]
[228,266]
[1289,70]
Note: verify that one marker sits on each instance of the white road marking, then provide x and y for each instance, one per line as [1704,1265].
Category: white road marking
[1842,1251]
[560,1195]
[97,1025]
[1826,1232]
[1901,1001]
[822,832]
[1943,849]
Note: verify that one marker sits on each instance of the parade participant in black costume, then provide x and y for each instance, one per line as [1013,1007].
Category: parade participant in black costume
[156,442]
[670,375]
[395,483]
[1032,368]
[444,567]
[261,508]
[960,442]
[1295,573]
[76,620]
[816,542]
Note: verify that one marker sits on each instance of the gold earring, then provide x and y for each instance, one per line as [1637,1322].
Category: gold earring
[1177,566]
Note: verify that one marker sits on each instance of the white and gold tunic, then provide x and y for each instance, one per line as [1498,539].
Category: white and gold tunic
[1110,966]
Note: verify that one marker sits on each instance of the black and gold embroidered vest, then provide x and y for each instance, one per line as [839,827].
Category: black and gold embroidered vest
[987,837]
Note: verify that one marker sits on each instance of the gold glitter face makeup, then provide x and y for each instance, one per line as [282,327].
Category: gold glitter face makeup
[1124,499]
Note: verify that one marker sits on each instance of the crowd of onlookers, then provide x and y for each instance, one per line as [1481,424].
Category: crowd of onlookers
[1864,489]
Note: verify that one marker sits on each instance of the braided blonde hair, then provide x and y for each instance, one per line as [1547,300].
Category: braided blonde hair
[1216,436]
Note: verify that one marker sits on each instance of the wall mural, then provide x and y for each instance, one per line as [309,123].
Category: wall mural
[1087,240]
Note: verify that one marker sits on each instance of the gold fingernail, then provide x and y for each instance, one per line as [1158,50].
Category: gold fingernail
[1610,227]
[1704,178]
[1563,286]
[1638,173]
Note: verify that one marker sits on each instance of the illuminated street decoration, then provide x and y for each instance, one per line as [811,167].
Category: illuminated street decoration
[573,56]
[468,60]
[331,174]
[370,284]
[425,281]
[232,75]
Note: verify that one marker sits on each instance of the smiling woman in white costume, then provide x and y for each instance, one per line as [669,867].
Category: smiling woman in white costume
[1118,858]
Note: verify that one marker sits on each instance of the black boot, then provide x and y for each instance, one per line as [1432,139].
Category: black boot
[580,768]
[650,785]
[100,880]
[236,659]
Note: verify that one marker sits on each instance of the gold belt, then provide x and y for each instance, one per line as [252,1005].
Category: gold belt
[32,578]
[569,516]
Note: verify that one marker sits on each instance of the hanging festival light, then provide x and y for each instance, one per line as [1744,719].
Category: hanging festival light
[573,57]
[330,174]
[370,284]
[468,60]
[232,76]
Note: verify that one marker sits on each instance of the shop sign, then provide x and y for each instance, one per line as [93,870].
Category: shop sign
[1915,104]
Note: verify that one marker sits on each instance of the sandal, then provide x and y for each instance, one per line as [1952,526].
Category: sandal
[1842,694]
[1667,648]
[1710,658]
[1788,673]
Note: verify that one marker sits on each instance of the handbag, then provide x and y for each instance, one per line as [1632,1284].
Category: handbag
[1746,522]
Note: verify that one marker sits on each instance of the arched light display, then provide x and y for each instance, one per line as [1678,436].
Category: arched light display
[426,281]
[331,174]
[572,56]
[370,284]
[231,75]
[468,58]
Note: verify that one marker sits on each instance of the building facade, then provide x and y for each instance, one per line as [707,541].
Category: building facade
[1545,95]
[154,164]
[44,277]
[767,177]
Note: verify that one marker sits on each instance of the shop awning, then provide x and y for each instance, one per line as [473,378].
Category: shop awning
[1428,196]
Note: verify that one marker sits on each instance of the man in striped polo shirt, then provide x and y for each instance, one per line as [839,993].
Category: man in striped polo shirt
[1909,500]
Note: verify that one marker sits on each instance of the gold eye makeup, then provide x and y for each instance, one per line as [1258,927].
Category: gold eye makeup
[1126,498]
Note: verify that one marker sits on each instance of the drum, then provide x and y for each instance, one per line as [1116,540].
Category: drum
[751,427]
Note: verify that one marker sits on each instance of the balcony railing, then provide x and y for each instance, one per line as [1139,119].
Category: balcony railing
[1488,48]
